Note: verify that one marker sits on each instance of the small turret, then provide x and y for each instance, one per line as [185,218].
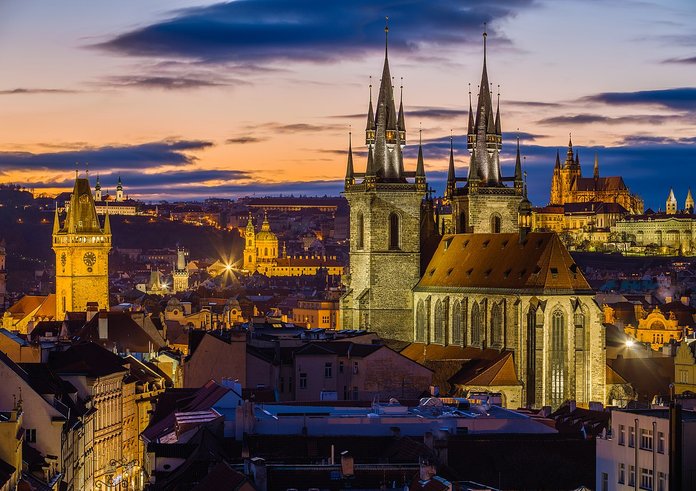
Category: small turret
[119,190]
[596,166]
[56,221]
[420,166]
[97,190]
[689,203]
[524,217]
[518,168]
[370,127]
[558,161]
[671,207]
[401,124]
[498,130]
[471,131]
[107,222]
[451,180]
[350,174]
[570,156]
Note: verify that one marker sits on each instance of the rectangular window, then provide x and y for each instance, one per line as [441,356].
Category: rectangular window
[355,367]
[631,436]
[683,376]
[646,439]
[31,435]
[605,481]
[282,384]
[356,394]
[328,370]
[660,442]
[622,435]
[340,367]
[661,481]
[646,479]
[303,381]
[631,475]
[622,473]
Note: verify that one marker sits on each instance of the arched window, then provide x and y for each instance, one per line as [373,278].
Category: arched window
[495,224]
[439,334]
[394,232]
[462,223]
[421,322]
[265,251]
[360,231]
[476,325]
[250,259]
[558,356]
[457,323]
[530,355]
[496,325]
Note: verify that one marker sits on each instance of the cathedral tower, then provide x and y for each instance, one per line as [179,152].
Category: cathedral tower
[671,204]
[385,224]
[485,203]
[82,249]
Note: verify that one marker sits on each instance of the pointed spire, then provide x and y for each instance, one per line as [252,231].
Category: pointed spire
[558,160]
[56,221]
[107,221]
[596,166]
[350,175]
[470,127]
[689,203]
[420,166]
[401,124]
[265,226]
[518,165]
[577,158]
[570,158]
[451,180]
[370,127]
[498,131]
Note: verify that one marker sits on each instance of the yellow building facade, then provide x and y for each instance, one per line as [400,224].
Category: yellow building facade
[82,248]
[656,329]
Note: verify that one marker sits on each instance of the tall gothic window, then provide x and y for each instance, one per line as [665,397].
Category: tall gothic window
[439,334]
[394,232]
[457,323]
[462,223]
[530,380]
[476,325]
[361,231]
[558,356]
[421,322]
[495,224]
[496,325]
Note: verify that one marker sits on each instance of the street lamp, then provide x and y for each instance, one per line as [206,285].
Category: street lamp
[117,481]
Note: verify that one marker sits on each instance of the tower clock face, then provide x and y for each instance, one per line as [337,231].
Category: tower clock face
[89,259]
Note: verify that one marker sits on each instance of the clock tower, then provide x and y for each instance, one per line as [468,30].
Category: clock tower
[82,249]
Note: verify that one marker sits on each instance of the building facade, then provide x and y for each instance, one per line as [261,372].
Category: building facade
[664,232]
[82,246]
[180,273]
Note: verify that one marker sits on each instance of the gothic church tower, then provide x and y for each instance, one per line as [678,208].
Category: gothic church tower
[485,204]
[82,249]
[386,214]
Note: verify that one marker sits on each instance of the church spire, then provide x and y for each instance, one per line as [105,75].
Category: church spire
[518,167]
[558,160]
[498,131]
[570,157]
[388,161]
[470,132]
[420,166]
[596,166]
[689,203]
[350,175]
[401,124]
[451,180]
[56,221]
[370,127]
[107,221]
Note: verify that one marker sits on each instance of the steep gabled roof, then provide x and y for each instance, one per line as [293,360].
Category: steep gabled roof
[480,372]
[500,261]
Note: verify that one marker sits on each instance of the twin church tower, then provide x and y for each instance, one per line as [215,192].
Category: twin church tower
[392,221]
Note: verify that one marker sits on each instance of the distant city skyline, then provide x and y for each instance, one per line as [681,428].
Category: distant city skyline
[190,99]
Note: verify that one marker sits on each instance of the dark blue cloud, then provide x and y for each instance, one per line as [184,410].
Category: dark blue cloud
[258,31]
[27,91]
[680,98]
[578,119]
[684,61]
[169,152]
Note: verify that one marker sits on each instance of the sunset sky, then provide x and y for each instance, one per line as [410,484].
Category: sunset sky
[189,99]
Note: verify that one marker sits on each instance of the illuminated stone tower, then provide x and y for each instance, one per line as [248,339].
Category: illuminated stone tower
[119,190]
[266,247]
[180,274]
[671,204]
[485,203]
[250,246]
[386,210]
[82,249]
